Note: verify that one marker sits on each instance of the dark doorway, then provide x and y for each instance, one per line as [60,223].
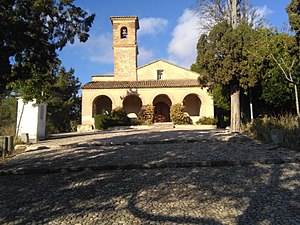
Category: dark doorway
[162,104]
[162,112]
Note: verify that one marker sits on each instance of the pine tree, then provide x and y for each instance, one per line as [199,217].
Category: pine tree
[32,31]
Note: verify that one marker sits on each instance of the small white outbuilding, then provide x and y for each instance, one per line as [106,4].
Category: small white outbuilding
[31,120]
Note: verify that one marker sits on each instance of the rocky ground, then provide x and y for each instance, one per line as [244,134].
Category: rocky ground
[176,176]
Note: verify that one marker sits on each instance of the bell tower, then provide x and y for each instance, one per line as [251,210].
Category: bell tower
[125,46]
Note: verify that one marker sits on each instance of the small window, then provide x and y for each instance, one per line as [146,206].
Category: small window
[124,32]
[160,74]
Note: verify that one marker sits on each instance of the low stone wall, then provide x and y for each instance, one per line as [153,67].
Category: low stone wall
[198,127]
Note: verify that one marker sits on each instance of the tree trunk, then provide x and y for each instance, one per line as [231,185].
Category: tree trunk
[235,122]
[251,106]
[297,100]
[297,104]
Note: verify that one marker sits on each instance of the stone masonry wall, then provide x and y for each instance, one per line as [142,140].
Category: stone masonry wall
[125,50]
[125,63]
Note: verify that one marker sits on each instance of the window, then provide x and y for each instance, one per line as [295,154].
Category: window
[160,74]
[124,32]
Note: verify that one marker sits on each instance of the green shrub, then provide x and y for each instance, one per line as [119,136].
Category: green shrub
[8,116]
[261,128]
[137,122]
[178,116]
[207,121]
[103,122]
[119,117]
[146,114]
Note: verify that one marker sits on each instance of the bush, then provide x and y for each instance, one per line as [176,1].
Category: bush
[8,116]
[146,114]
[103,122]
[207,121]
[261,128]
[178,116]
[137,122]
[119,117]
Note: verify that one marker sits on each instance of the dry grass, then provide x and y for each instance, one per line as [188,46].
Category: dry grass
[8,129]
[261,128]
[11,155]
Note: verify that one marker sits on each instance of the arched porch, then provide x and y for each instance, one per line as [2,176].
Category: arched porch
[132,105]
[162,104]
[102,105]
[192,104]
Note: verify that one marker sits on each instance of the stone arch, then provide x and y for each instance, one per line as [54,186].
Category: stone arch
[102,104]
[124,32]
[162,104]
[192,104]
[132,104]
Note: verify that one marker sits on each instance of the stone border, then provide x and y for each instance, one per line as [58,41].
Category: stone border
[151,142]
[205,163]
[32,148]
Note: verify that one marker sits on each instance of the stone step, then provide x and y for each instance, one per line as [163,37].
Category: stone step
[164,125]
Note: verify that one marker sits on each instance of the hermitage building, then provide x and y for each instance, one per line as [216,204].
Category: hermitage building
[158,83]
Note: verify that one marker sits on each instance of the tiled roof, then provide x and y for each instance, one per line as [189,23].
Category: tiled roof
[103,75]
[140,84]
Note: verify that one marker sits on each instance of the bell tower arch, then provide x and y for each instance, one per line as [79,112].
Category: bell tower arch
[125,46]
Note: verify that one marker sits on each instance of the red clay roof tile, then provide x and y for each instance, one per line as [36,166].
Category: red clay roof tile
[140,84]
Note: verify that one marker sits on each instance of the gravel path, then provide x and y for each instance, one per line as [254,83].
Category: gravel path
[181,192]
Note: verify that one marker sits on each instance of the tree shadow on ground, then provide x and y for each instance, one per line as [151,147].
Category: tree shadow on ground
[277,200]
[230,195]
[235,195]
[148,148]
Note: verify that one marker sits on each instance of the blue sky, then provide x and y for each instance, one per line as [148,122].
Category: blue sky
[168,30]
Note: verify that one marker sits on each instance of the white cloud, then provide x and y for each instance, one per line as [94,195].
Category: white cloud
[145,56]
[182,48]
[96,49]
[263,11]
[152,25]
[100,49]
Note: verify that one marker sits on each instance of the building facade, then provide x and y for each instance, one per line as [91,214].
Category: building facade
[158,83]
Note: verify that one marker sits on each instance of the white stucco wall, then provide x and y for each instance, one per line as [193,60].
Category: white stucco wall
[147,96]
[170,71]
[31,119]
